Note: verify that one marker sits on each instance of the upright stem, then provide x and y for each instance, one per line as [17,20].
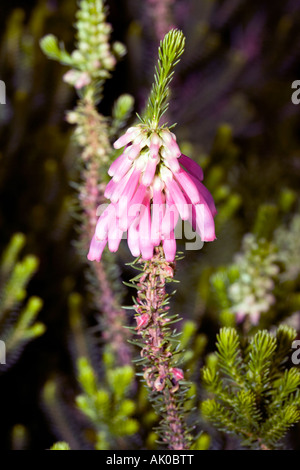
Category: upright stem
[153,326]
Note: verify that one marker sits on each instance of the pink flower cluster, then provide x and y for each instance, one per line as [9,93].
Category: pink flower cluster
[152,185]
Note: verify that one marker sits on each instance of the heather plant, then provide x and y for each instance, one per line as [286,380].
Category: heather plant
[151,235]
[152,185]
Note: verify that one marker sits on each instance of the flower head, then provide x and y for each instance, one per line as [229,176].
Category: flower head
[152,185]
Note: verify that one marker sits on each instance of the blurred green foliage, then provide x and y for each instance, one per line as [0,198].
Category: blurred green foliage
[17,317]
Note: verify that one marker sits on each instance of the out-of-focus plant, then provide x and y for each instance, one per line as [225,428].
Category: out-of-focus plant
[100,416]
[18,325]
[254,395]
[261,286]
[288,243]
[106,404]
[245,288]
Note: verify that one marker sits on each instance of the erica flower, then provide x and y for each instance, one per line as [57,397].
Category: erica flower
[152,185]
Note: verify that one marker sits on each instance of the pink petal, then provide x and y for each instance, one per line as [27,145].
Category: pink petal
[133,151]
[191,166]
[96,249]
[104,222]
[114,237]
[130,134]
[171,162]
[133,238]
[205,222]
[133,209]
[158,211]
[110,187]
[187,184]
[170,219]
[145,230]
[178,198]
[120,187]
[171,144]
[155,144]
[115,164]
[206,195]
[169,246]
[129,191]
[149,172]
[123,168]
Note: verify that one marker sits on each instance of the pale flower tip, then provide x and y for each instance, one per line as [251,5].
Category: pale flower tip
[146,250]
[96,249]
[92,257]
[113,245]
[135,251]
[170,257]
[147,256]
[209,238]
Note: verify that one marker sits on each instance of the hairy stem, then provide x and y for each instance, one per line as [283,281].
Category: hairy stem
[153,326]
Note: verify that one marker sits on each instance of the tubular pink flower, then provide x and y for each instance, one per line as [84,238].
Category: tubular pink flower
[169,246]
[178,198]
[126,138]
[104,222]
[187,184]
[205,194]
[114,237]
[133,151]
[110,189]
[155,144]
[129,190]
[158,211]
[134,239]
[122,169]
[96,249]
[171,162]
[170,219]
[149,172]
[152,184]
[171,144]
[115,165]
[120,186]
[146,245]
[133,209]
[203,222]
